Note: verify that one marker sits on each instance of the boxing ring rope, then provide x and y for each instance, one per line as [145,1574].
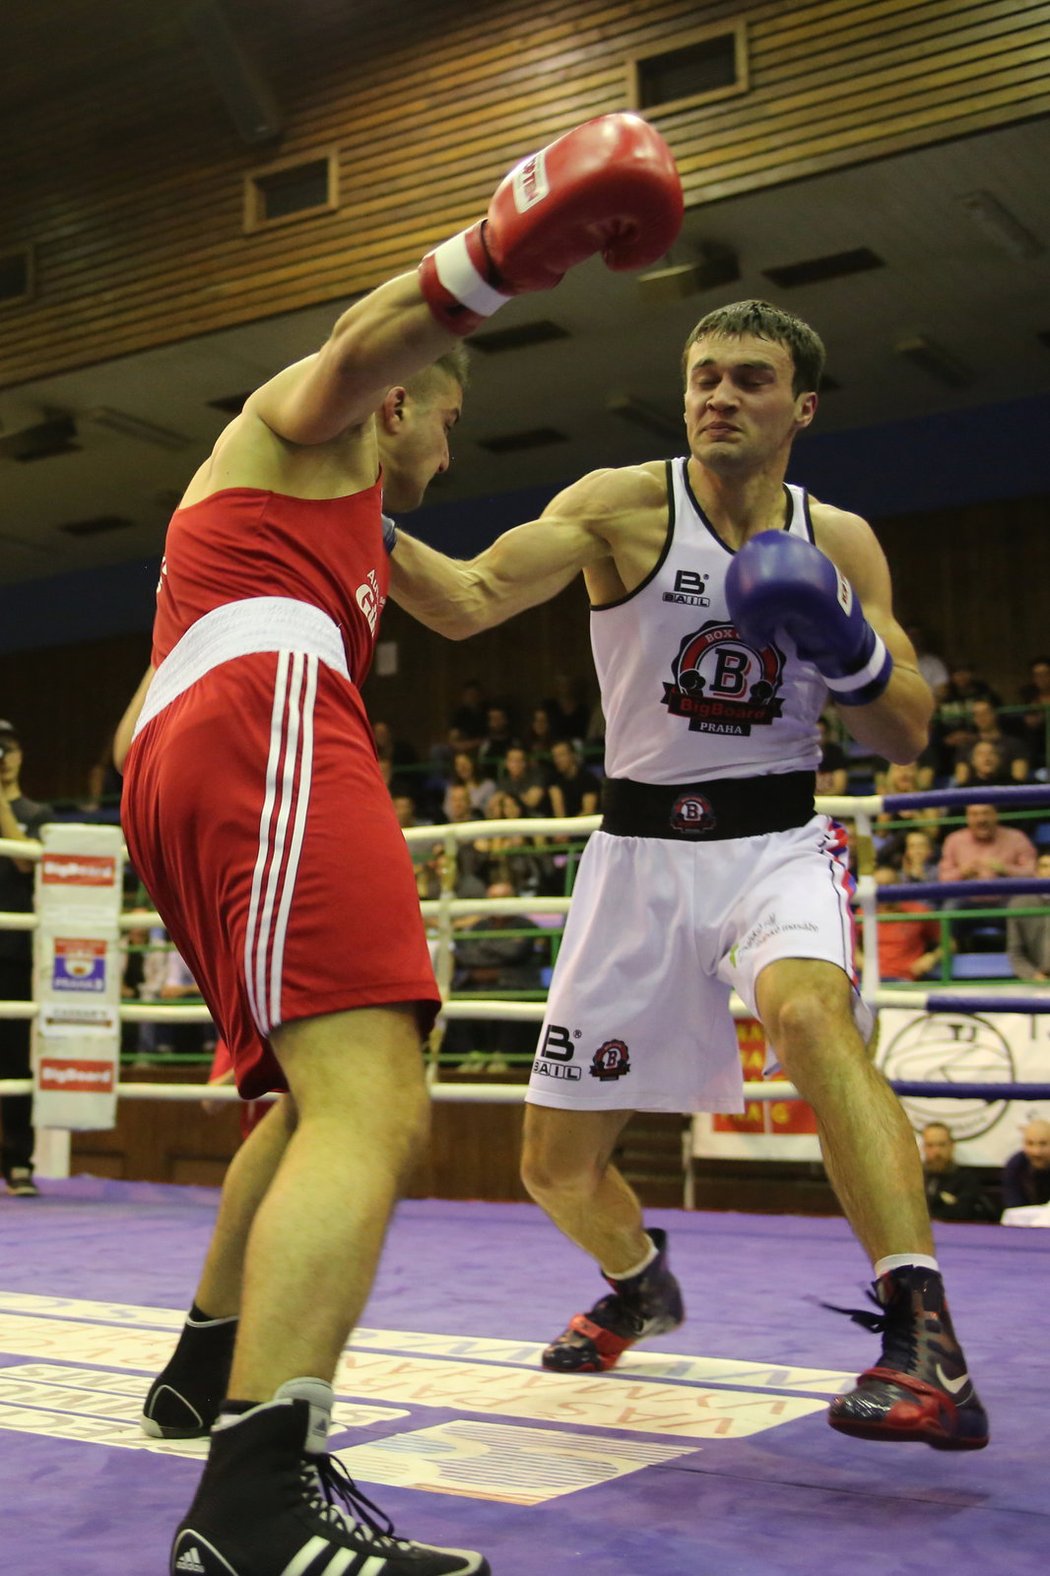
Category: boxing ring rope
[859,810]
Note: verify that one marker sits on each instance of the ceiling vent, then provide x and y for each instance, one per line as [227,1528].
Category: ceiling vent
[99,525]
[714,267]
[708,63]
[16,276]
[519,337]
[814,270]
[42,441]
[517,442]
[935,361]
[230,404]
[648,417]
[1002,227]
[128,426]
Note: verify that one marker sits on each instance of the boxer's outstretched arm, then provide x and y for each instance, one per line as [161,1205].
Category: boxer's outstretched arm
[523,567]
[608,186]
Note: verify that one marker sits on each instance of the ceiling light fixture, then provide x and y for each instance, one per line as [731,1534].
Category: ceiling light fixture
[649,417]
[1001,226]
[134,427]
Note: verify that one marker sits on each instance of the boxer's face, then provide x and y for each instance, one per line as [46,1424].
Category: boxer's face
[740,408]
[414,442]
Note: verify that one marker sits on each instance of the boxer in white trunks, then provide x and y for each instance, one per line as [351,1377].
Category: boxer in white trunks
[726,607]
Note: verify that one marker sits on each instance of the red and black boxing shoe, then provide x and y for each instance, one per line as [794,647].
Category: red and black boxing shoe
[920,1389]
[645,1305]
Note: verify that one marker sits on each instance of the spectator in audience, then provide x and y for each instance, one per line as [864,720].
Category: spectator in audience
[538,735]
[987,730]
[407,813]
[526,780]
[568,711]
[953,1192]
[889,838]
[932,667]
[983,850]
[953,724]
[907,950]
[494,963]
[458,808]
[1026,1175]
[185,1039]
[469,721]
[918,860]
[573,789]
[465,775]
[142,978]
[1028,936]
[20,820]
[397,751]
[833,771]
[499,736]
[983,766]
[513,858]
[1035,722]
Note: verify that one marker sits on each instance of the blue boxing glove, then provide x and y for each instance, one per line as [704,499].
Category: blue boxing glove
[780,582]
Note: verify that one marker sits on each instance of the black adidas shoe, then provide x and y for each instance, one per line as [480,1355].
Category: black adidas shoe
[265,1507]
[647,1304]
[920,1388]
[183,1401]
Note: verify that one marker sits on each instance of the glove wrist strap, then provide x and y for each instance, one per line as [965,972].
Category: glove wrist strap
[459,276]
[866,683]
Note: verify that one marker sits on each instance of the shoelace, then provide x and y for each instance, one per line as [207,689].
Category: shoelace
[900,1345]
[327,1481]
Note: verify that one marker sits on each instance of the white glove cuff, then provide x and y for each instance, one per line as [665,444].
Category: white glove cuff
[457,273]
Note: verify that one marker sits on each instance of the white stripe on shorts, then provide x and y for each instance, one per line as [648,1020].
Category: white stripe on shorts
[289,770]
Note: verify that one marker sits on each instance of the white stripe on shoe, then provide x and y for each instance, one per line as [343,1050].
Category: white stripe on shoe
[311,1550]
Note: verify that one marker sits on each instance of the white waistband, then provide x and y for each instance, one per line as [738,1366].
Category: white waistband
[262,623]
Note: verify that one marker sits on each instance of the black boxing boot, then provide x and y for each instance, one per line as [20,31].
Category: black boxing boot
[646,1304]
[920,1389]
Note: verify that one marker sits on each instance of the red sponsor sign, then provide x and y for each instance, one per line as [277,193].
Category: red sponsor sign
[762,1116]
[78,1077]
[95,870]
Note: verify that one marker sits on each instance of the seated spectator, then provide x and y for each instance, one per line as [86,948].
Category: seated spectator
[983,766]
[1028,936]
[953,724]
[521,776]
[889,838]
[465,774]
[1026,1175]
[932,667]
[833,771]
[982,850]
[388,748]
[513,858]
[568,711]
[538,736]
[987,730]
[469,720]
[407,813]
[907,950]
[145,967]
[953,1192]
[499,736]
[1035,722]
[458,808]
[573,789]
[918,859]
[185,1039]
[487,963]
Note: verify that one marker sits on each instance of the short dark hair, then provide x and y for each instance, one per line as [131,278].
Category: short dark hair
[455,363]
[767,321]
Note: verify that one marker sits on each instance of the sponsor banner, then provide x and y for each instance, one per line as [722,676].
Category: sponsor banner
[78,965]
[75,1074]
[80,873]
[917,1046]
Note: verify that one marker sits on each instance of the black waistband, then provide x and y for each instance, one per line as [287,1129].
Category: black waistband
[710,811]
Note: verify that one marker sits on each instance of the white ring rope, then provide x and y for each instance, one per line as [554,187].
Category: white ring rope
[860,810]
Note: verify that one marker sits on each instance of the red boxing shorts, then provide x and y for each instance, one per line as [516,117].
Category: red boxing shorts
[257,819]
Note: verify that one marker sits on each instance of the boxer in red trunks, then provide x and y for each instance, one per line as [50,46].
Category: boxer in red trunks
[256,815]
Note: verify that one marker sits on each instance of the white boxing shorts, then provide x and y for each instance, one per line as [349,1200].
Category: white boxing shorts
[658,935]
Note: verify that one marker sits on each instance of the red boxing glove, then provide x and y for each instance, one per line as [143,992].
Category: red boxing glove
[609,186]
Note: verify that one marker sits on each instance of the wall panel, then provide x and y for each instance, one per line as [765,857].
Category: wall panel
[123,169]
